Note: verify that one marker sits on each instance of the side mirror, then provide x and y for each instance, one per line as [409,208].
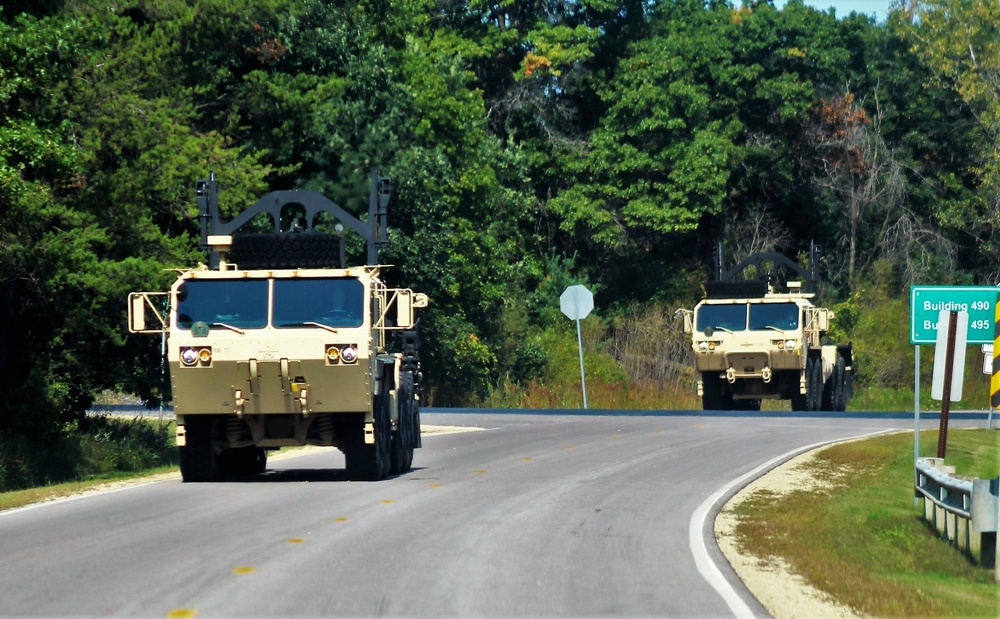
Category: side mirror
[136,313]
[404,309]
[139,303]
[688,319]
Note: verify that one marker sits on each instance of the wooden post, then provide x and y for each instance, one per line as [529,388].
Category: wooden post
[949,364]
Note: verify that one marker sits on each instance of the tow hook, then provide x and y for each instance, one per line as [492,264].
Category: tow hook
[766,374]
[731,375]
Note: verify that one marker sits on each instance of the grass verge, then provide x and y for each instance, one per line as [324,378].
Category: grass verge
[95,449]
[866,544]
[29,496]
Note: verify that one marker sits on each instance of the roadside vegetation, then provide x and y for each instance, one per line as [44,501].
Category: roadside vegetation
[865,543]
[93,449]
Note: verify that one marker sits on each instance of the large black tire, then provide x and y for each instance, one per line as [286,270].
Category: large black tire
[404,436]
[833,389]
[285,250]
[800,401]
[197,456]
[242,462]
[814,370]
[711,391]
[371,462]
[837,386]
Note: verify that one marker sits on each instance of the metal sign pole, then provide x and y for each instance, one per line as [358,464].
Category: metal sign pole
[583,377]
[576,302]
[916,409]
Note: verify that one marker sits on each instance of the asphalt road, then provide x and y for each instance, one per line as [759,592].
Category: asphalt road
[547,514]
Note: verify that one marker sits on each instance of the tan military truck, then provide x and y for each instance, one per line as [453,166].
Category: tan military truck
[762,338]
[278,343]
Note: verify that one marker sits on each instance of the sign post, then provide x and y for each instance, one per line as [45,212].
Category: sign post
[948,373]
[995,378]
[577,302]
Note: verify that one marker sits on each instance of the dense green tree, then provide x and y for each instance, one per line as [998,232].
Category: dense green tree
[959,40]
[532,144]
[97,160]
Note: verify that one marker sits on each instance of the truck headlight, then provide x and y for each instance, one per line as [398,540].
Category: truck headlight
[349,354]
[703,346]
[189,356]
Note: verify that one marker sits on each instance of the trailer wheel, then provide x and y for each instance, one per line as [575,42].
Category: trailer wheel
[404,436]
[197,456]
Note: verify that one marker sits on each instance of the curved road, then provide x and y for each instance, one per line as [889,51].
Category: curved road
[536,514]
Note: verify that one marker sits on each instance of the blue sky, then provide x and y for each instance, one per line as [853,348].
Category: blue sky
[844,7]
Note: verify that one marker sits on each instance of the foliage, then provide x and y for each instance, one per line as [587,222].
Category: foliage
[95,447]
[532,145]
[960,43]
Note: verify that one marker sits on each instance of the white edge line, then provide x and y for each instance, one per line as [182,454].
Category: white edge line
[706,567]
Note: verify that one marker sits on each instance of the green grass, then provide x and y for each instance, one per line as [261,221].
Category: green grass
[867,545]
[29,496]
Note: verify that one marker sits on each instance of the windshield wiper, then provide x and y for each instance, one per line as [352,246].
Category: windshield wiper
[307,323]
[721,329]
[230,327]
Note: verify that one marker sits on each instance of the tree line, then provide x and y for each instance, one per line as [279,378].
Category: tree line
[532,145]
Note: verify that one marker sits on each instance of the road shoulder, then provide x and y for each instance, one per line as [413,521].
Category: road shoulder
[782,592]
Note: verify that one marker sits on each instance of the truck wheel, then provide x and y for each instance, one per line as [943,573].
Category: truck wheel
[711,391]
[814,370]
[197,457]
[838,399]
[833,389]
[371,462]
[404,437]
[800,401]
[242,461]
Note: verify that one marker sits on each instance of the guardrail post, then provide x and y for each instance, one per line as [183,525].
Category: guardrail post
[964,512]
[985,513]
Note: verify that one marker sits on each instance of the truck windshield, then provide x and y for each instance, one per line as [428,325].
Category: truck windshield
[781,316]
[731,317]
[222,304]
[333,302]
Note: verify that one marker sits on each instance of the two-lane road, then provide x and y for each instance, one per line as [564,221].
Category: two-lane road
[550,514]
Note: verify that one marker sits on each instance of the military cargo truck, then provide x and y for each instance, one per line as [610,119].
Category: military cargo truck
[758,336]
[276,342]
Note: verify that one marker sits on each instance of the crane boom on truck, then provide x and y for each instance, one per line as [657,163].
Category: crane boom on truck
[758,336]
[278,343]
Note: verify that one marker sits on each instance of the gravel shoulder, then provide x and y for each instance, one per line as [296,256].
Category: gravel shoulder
[783,593]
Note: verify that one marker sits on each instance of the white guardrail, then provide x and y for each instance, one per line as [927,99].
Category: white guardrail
[965,512]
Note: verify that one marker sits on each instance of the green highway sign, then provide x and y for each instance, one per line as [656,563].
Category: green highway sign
[926,302]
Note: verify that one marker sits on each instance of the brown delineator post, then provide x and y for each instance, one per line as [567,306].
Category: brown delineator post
[949,364]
